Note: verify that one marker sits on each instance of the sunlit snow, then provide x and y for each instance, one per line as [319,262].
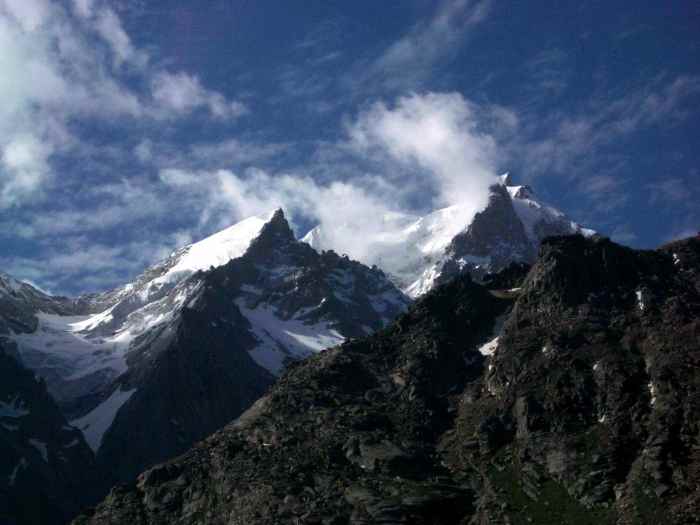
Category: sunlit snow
[281,339]
[97,421]
[217,249]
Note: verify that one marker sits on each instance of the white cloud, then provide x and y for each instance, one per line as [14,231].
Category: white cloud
[30,14]
[54,74]
[438,132]
[83,7]
[572,144]
[433,135]
[412,58]
[23,170]
[110,28]
[181,93]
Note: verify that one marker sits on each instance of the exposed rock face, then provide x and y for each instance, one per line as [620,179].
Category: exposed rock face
[494,239]
[585,413]
[47,471]
[20,301]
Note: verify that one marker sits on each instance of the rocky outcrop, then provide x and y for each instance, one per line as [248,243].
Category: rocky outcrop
[495,238]
[586,412]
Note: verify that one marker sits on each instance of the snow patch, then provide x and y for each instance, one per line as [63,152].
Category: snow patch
[59,348]
[652,391]
[94,424]
[490,347]
[280,339]
[640,300]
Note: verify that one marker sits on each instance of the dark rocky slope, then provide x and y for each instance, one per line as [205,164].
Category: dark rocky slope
[587,411]
[47,471]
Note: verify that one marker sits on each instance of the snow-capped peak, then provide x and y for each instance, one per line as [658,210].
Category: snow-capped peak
[506,179]
[218,249]
[423,251]
[9,284]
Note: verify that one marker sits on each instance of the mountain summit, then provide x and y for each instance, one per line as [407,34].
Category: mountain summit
[149,368]
[420,252]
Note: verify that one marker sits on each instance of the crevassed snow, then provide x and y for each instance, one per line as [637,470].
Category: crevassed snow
[14,408]
[279,339]
[71,352]
[59,348]
[94,424]
[41,448]
[216,250]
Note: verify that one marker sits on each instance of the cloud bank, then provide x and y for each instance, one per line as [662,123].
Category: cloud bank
[421,144]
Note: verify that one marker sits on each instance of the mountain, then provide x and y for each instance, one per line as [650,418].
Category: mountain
[47,471]
[149,368]
[419,253]
[571,398]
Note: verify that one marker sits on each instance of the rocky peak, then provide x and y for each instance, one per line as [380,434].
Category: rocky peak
[275,234]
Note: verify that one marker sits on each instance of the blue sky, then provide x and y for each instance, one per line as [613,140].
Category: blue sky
[131,127]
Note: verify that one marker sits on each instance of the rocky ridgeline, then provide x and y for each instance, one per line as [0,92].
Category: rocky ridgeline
[585,412]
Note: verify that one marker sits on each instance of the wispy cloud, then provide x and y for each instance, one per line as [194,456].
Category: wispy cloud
[549,72]
[410,60]
[575,144]
[178,94]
